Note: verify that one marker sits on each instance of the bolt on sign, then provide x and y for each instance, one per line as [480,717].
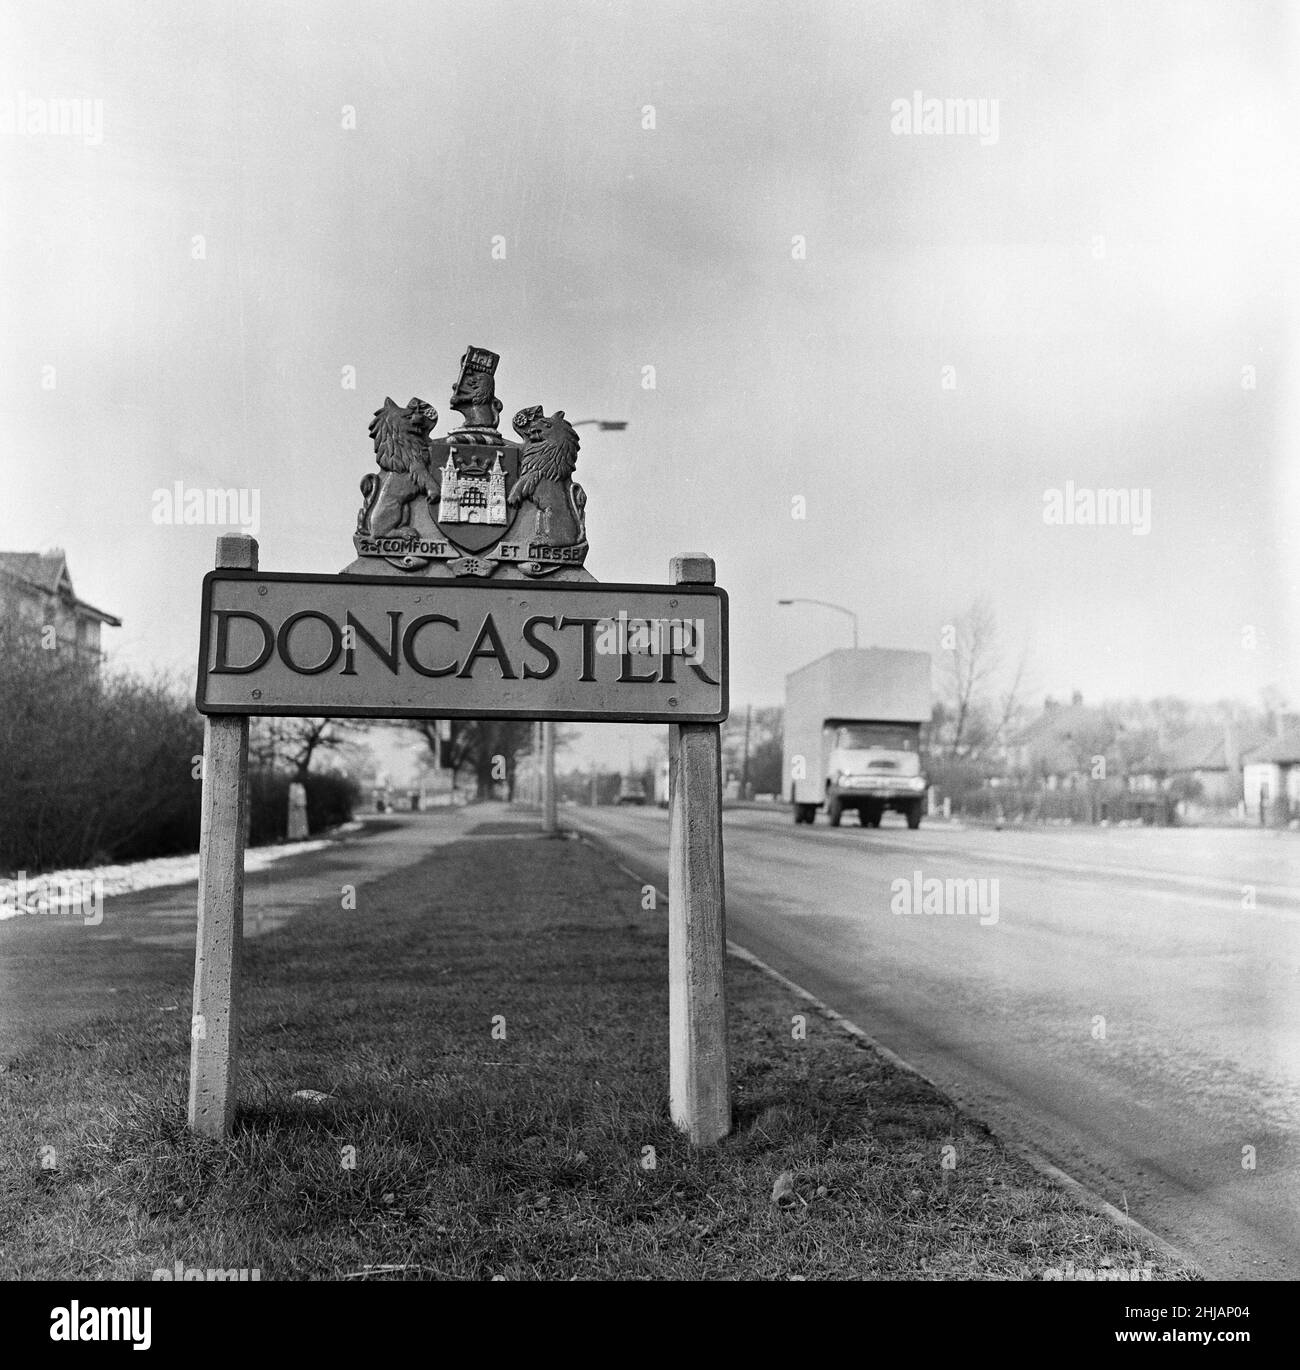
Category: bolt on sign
[469,598]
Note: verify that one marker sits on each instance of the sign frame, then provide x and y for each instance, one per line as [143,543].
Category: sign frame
[699,1094]
[480,587]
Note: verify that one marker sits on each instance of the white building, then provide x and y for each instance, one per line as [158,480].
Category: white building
[1271,775]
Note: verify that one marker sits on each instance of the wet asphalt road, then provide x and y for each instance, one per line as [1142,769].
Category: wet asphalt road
[1133,1012]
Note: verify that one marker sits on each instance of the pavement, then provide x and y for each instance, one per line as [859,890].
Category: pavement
[1133,1013]
[144,928]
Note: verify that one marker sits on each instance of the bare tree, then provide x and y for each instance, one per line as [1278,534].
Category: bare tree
[489,747]
[292,743]
[973,718]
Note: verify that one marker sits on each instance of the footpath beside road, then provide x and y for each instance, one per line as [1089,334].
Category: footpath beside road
[147,929]
[488,1025]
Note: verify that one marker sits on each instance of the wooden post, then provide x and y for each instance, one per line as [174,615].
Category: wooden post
[698,1084]
[215,1025]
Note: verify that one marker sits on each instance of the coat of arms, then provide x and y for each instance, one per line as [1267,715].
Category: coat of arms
[472,502]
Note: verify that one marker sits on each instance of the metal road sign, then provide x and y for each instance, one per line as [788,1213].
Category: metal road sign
[400,647]
[495,617]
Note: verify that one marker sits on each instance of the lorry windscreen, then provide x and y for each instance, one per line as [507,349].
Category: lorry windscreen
[862,736]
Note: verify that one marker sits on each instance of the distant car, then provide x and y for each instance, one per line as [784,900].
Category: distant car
[631,792]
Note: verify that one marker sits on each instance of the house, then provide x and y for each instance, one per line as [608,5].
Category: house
[1271,779]
[36,592]
[1058,747]
[1207,761]
[1085,765]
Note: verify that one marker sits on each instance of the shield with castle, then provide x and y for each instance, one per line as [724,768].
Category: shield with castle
[472,503]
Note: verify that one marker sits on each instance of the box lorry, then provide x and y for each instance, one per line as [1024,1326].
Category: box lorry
[853,735]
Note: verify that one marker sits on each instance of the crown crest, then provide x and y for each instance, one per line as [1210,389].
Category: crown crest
[479,359]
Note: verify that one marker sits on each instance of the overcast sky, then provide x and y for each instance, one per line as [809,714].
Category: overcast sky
[1097,270]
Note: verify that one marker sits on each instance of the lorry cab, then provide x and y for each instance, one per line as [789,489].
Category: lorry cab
[873,767]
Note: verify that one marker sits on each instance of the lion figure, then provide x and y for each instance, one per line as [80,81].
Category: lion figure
[545,469]
[401,437]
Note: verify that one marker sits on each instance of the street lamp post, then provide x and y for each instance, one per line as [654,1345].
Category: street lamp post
[826,604]
[549,823]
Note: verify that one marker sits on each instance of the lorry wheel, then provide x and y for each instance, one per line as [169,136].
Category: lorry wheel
[834,811]
[808,813]
[914,813]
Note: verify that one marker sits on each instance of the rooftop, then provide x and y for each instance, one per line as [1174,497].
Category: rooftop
[1284,750]
[48,572]
[1205,748]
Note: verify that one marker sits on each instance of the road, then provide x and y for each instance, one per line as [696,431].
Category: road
[1130,1008]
